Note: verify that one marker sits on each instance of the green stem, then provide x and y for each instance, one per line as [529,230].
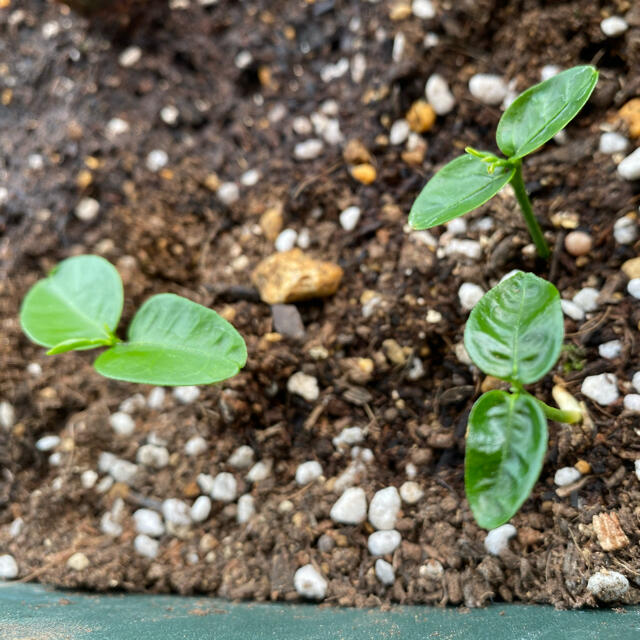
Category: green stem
[568,417]
[525,204]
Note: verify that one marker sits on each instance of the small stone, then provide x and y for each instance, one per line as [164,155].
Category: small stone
[416,370]
[309,149]
[87,209]
[349,218]
[610,350]
[382,543]
[607,586]
[308,472]
[104,485]
[421,116]
[399,132]
[116,127]
[349,436]
[228,193]
[8,567]
[88,479]
[614,26]
[286,240]
[578,243]
[291,276]
[423,9]
[625,230]
[497,540]
[130,56]
[587,298]
[469,295]
[201,509]
[109,525]
[611,537]
[287,321]
[457,226]
[631,402]
[205,482]
[148,522]
[186,395]
[470,249]
[571,309]
[633,288]
[242,457]
[176,512]
[637,468]
[351,507]
[123,471]
[612,142]
[439,95]
[602,388]
[153,456]
[399,43]
[155,399]
[243,59]
[78,561]
[410,491]
[384,508]
[356,153]
[132,404]
[156,160]
[326,543]
[46,443]
[629,168]
[566,476]
[302,125]
[195,446]
[635,381]
[384,572]
[271,222]
[630,113]
[15,528]
[246,508]
[34,369]
[260,471]
[364,173]
[549,71]
[169,115]
[146,546]
[334,71]
[55,459]
[304,385]
[432,569]
[225,487]
[631,268]
[488,88]
[309,583]
[394,352]
[7,415]
[122,423]
[250,178]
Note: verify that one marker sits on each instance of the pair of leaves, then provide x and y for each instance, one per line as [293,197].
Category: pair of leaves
[171,340]
[515,333]
[532,119]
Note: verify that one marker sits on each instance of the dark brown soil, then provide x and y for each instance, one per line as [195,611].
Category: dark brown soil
[169,232]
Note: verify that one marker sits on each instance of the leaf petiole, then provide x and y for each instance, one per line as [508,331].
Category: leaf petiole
[558,415]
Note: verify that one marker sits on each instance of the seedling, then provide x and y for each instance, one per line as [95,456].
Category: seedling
[514,333]
[171,340]
[532,119]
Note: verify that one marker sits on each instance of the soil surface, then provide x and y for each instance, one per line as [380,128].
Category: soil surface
[62,82]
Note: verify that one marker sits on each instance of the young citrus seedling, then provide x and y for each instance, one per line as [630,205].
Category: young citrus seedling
[171,340]
[532,119]
[514,333]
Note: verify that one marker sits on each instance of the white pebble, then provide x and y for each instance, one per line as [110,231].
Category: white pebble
[611,349]
[15,528]
[304,385]
[105,484]
[571,309]
[242,457]
[430,40]
[250,178]
[411,470]
[358,67]
[205,482]
[309,583]
[416,370]
[116,127]
[350,507]
[195,446]
[157,159]
[155,399]
[457,248]
[399,43]
[384,572]
[457,226]
[632,402]
[497,540]
[488,88]
[260,471]
[122,423]
[186,395]
[635,381]
[228,193]
[50,30]
[88,479]
[381,543]
[46,443]
[55,459]
[176,512]
[123,471]
[201,509]
[7,415]
[87,209]
[152,456]
[309,149]
[78,561]
[629,168]
[587,298]
[286,240]
[399,132]
[148,522]
[349,218]
[384,508]
[633,288]
[613,142]
[439,95]
[469,295]
[637,467]
[349,436]
[8,567]
[246,508]
[566,476]
[109,525]
[548,71]
[243,59]
[304,239]
[432,569]
[334,71]
[34,369]
[423,9]
[146,546]
[607,586]
[614,26]
[132,404]
[130,56]
[625,230]
[410,492]
[169,115]
[225,487]
[308,472]
[602,388]
[302,126]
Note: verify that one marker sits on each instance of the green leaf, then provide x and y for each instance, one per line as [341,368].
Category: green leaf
[516,330]
[81,300]
[536,115]
[174,341]
[459,187]
[505,449]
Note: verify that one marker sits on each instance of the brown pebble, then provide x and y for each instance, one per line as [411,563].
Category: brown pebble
[421,116]
[631,268]
[364,173]
[610,534]
[578,243]
[630,113]
[583,467]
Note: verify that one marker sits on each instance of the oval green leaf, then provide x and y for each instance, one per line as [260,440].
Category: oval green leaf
[174,341]
[536,115]
[460,186]
[80,301]
[505,449]
[516,330]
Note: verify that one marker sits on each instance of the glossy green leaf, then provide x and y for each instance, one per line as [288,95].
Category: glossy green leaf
[81,300]
[536,115]
[174,341]
[516,330]
[505,449]
[459,187]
